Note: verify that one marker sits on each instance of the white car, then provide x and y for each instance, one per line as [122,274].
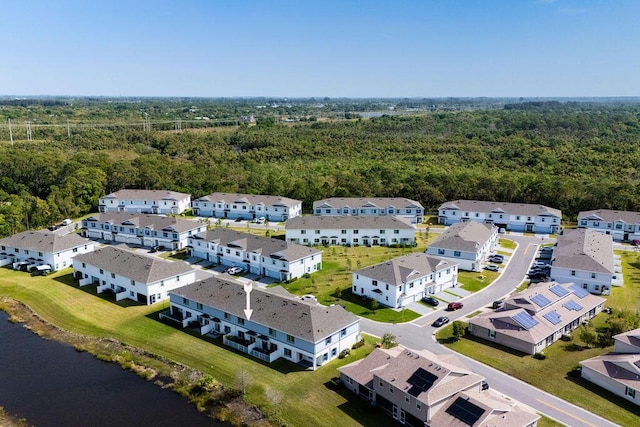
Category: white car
[234,270]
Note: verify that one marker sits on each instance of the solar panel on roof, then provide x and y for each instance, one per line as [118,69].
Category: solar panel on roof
[540,300]
[572,305]
[525,320]
[421,381]
[465,411]
[559,290]
[552,317]
[578,291]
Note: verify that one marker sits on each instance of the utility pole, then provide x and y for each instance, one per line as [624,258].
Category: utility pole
[29,136]
[177,127]
[68,130]
[147,123]
[10,132]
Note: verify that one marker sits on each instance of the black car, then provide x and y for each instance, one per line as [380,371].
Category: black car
[431,301]
[484,385]
[441,321]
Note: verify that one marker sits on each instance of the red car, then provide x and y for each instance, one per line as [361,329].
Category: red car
[454,306]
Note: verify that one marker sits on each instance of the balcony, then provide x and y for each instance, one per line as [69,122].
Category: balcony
[265,355]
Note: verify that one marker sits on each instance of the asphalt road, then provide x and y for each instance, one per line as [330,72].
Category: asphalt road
[419,335]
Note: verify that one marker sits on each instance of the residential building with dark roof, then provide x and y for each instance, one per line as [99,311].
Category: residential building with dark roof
[466,243]
[400,207]
[279,324]
[618,371]
[350,231]
[585,257]
[130,275]
[533,319]
[522,217]
[40,248]
[247,206]
[406,279]
[145,202]
[621,225]
[141,229]
[263,256]
[419,388]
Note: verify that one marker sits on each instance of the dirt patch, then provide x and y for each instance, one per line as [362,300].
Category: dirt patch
[200,389]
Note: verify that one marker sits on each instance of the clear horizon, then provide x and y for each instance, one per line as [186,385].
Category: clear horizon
[335,49]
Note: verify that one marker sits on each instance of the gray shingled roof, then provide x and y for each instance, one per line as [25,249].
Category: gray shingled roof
[464,236]
[624,368]
[272,309]
[367,202]
[584,249]
[405,268]
[44,241]
[398,368]
[608,215]
[153,222]
[134,194]
[347,222]
[504,322]
[141,268]
[252,199]
[267,247]
[630,337]
[501,207]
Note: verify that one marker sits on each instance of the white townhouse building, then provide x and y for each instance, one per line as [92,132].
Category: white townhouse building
[621,225]
[350,231]
[133,276]
[531,320]
[419,388]
[466,243]
[247,206]
[43,248]
[406,279]
[521,217]
[145,202]
[254,254]
[400,207]
[618,371]
[140,229]
[279,324]
[584,257]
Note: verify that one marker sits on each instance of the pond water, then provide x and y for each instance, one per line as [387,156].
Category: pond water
[51,384]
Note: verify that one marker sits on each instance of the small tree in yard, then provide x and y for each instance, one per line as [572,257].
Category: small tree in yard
[459,329]
[588,336]
[389,340]
[243,379]
[374,304]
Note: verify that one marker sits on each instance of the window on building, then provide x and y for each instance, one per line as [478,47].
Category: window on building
[113,275]
[374,282]
[184,300]
[303,231]
[456,253]
[199,306]
[272,332]
[327,341]
[492,333]
[628,391]
[133,283]
[573,272]
[240,321]
[343,332]
[356,231]
[593,275]
[440,251]
[290,338]
[287,352]
[227,316]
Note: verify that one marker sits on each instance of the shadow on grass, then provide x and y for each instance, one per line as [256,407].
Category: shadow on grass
[574,377]
[280,365]
[92,289]
[468,337]
[573,347]
[361,411]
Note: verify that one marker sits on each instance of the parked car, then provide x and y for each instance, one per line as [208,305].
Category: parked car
[260,220]
[440,321]
[456,305]
[546,249]
[67,221]
[539,263]
[496,260]
[501,230]
[52,227]
[238,220]
[497,256]
[491,267]
[234,270]
[484,385]
[431,301]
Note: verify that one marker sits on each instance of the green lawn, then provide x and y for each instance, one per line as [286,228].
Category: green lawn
[474,281]
[508,244]
[555,373]
[57,300]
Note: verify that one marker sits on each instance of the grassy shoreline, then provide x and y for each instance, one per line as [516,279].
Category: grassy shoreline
[57,300]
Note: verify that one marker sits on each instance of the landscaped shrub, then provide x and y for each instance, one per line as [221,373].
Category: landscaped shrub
[358,344]
[540,356]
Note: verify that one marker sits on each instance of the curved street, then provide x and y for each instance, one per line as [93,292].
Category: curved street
[419,335]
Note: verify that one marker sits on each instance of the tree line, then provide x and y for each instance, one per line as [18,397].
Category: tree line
[574,158]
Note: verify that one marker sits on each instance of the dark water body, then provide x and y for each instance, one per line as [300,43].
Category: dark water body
[51,384]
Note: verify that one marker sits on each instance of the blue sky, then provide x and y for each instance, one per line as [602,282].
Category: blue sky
[335,48]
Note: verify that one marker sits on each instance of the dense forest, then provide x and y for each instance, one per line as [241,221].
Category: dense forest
[572,156]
